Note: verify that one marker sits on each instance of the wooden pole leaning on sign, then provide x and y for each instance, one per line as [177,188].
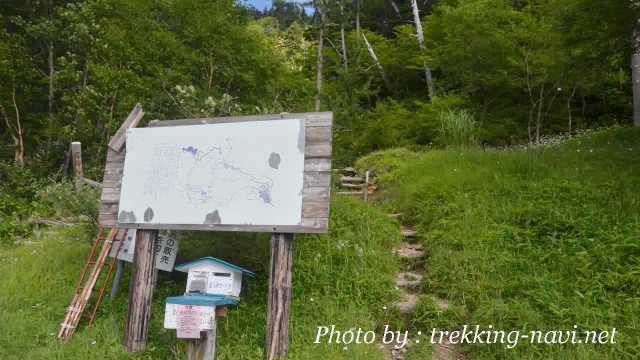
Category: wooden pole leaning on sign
[279,298]
[141,291]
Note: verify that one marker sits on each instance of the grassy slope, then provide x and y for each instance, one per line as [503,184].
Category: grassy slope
[343,278]
[540,239]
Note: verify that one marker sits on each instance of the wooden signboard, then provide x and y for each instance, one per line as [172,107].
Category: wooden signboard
[163,158]
[266,173]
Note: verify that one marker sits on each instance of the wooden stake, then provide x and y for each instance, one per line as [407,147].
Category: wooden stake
[140,291]
[76,158]
[279,300]
[365,191]
[205,347]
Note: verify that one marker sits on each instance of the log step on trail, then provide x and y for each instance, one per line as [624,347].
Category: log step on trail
[408,279]
[408,232]
[410,251]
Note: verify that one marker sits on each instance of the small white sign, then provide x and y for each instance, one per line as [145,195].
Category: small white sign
[206,315]
[220,283]
[166,249]
[188,320]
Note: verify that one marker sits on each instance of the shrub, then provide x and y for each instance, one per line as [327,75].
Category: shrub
[385,164]
[62,200]
[458,128]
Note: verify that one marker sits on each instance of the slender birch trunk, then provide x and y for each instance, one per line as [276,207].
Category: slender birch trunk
[427,71]
[345,59]
[635,73]
[373,55]
[15,129]
[320,61]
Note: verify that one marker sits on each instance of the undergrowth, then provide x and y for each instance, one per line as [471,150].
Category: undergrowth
[343,278]
[529,240]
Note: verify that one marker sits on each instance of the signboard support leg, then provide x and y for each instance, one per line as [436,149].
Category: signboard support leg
[279,300]
[141,291]
[205,347]
[116,280]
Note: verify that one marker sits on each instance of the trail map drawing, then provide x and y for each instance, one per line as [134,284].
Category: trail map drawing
[248,173]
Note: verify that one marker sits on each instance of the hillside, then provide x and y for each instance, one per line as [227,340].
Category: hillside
[540,239]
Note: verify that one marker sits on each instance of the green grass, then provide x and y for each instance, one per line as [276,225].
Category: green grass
[343,278]
[541,239]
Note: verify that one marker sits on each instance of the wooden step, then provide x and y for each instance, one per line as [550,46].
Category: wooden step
[353,193]
[352,186]
[408,279]
[395,216]
[407,303]
[408,232]
[351,179]
[349,170]
[410,251]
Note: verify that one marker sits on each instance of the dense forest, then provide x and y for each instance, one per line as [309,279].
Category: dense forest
[394,72]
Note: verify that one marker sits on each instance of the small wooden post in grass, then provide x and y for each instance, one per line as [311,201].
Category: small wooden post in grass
[279,300]
[141,291]
[205,347]
[76,158]
[365,191]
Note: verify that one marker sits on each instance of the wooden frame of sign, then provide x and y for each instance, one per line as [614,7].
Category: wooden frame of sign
[315,219]
[317,178]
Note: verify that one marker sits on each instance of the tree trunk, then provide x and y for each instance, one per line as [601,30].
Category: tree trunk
[357,6]
[51,65]
[375,59]
[320,61]
[427,71]
[345,60]
[635,73]
[395,8]
[570,113]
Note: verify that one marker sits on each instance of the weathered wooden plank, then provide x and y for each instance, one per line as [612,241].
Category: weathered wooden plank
[318,135]
[311,119]
[303,229]
[117,141]
[315,223]
[317,178]
[317,164]
[113,156]
[279,297]
[315,208]
[141,291]
[317,150]
[316,193]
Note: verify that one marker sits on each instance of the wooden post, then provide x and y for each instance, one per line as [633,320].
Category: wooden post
[141,291]
[205,347]
[76,158]
[116,280]
[279,300]
[365,191]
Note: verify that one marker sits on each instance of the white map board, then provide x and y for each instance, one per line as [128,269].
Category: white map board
[244,173]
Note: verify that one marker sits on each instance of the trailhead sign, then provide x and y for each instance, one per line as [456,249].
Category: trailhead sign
[263,173]
[245,173]
[260,173]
